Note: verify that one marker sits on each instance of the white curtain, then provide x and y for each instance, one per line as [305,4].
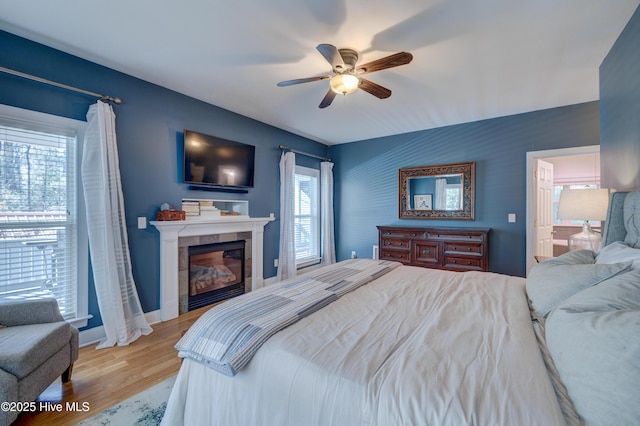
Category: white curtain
[326,213]
[441,194]
[122,315]
[287,256]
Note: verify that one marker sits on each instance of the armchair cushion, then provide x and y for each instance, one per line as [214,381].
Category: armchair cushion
[26,347]
[22,312]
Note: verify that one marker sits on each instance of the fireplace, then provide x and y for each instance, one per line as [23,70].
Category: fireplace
[216,272]
[177,235]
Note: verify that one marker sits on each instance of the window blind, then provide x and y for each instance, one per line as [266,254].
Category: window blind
[38,214]
[307,220]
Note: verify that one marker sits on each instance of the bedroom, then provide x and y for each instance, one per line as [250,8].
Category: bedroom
[150,118]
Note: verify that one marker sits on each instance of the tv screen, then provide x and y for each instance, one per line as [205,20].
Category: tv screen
[213,161]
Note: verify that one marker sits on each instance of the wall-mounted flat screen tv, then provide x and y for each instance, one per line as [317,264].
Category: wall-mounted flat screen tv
[217,162]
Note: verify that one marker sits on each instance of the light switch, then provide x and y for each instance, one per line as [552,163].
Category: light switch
[142,222]
[512,218]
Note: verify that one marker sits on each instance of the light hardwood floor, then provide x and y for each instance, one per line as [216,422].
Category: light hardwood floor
[105,377]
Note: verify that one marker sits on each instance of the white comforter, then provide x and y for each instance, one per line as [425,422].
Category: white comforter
[414,347]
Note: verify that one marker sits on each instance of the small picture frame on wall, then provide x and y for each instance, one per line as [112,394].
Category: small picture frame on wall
[423,202]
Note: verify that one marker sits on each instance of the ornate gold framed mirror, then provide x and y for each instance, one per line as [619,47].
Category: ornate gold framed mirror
[445,191]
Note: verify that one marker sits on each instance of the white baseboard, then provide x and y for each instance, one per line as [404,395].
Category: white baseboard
[96,334]
[269,281]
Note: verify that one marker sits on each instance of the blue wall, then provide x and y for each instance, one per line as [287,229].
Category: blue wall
[620,110]
[366,176]
[149,125]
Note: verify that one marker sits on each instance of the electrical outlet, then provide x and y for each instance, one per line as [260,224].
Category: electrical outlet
[512,218]
[275,263]
[353,254]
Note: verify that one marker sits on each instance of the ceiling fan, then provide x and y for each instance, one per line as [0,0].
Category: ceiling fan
[346,76]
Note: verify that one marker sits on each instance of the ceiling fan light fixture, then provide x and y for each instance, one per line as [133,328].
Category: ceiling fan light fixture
[344,79]
[343,84]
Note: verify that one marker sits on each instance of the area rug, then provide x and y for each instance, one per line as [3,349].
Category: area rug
[143,409]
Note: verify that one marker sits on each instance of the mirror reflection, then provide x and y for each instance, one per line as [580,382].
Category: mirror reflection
[442,192]
[437,192]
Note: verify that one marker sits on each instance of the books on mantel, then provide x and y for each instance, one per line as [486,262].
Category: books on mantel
[209,211]
[202,208]
[191,208]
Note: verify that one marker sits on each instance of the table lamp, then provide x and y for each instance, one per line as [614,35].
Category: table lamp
[584,204]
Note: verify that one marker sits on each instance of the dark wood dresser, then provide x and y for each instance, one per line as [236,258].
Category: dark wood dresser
[455,249]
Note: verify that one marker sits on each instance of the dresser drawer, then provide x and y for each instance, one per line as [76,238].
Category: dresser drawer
[397,255]
[461,263]
[426,253]
[460,247]
[452,237]
[396,243]
[402,233]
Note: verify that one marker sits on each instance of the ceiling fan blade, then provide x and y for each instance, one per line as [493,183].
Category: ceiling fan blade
[328,98]
[395,60]
[375,89]
[302,80]
[331,54]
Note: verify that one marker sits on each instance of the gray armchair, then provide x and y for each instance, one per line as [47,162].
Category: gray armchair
[36,346]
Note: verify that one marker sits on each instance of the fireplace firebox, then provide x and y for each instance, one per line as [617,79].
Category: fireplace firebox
[216,273]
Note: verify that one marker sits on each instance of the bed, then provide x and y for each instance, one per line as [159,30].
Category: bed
[367,342]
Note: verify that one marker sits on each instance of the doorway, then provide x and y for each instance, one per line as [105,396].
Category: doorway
[571,165]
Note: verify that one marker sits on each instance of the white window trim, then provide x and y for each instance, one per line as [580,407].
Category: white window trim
[82,246]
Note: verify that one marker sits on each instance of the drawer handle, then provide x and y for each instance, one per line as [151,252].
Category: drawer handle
[469,249]
[455,248]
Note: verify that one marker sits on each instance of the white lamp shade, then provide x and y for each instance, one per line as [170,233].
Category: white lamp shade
[583,204]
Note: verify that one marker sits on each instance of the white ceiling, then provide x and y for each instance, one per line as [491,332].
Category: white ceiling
[583,168]
[472,59]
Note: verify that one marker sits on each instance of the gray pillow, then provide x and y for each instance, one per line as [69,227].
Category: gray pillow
[594,340]
[551,282]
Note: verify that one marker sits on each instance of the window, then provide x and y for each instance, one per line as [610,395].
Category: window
[307,216]
[454,196]
[43,245]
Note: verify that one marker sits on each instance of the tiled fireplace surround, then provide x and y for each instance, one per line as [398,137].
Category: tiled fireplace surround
[177,236]
[183,261]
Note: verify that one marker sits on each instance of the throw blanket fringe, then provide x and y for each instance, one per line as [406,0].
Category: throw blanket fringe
[227,336]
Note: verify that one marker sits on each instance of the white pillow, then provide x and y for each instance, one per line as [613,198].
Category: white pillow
[619,252]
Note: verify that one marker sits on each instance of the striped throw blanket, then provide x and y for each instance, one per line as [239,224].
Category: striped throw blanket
[227,336]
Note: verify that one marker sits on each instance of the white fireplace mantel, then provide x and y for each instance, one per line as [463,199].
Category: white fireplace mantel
[170,231]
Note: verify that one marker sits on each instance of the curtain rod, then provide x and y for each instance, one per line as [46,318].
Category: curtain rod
[286,148]
[103,98]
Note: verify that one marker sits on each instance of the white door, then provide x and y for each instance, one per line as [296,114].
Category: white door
[543,207]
